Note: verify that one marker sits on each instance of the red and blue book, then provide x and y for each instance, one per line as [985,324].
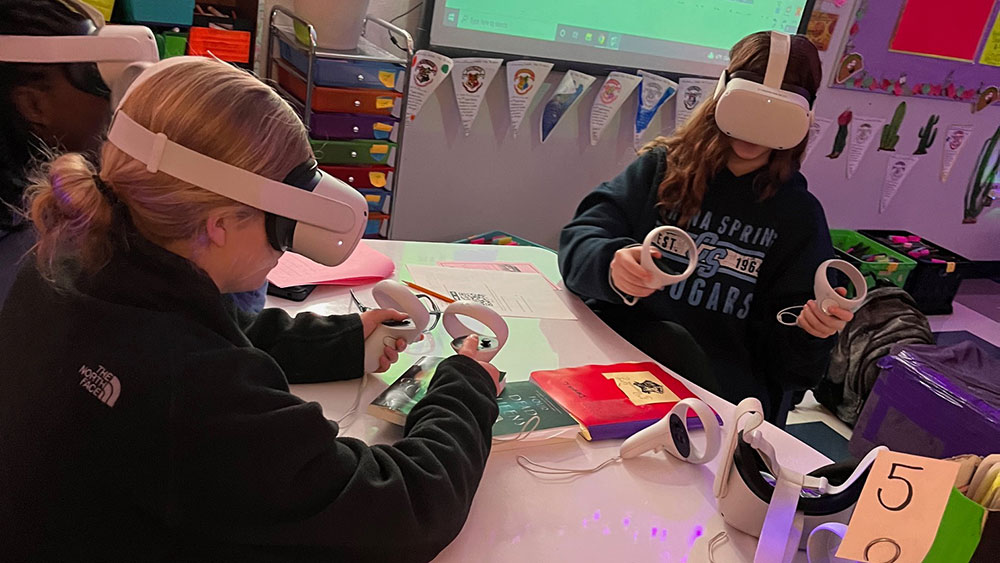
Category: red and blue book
[617,400]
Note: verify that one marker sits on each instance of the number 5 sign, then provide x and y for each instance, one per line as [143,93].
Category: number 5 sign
[900,509]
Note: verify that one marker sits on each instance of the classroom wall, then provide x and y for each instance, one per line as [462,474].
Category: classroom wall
[452,186]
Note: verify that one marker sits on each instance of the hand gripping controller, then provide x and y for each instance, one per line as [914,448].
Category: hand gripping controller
[668,237]
[827,296]
[390,294]
[671,434]
[489,346]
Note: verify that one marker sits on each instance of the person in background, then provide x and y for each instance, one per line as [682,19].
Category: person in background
[43,108]
[761,236]
[144,418]
[47,109]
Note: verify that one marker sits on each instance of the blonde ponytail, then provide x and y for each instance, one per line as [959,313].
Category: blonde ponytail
[70,214]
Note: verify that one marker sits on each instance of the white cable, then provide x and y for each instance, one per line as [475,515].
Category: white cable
[530,466]
[790,311]
[524,433]
[353,411]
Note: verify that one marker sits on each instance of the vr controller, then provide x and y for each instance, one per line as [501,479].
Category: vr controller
[668,237]
[489,346]
[827,296]
[671,435]
[390,294]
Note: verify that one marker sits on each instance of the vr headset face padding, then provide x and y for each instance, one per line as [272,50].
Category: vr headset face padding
[750,464]
[281,230]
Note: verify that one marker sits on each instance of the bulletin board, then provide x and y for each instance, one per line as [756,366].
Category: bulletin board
[925,48]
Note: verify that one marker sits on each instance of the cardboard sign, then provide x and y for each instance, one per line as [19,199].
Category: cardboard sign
[900,509]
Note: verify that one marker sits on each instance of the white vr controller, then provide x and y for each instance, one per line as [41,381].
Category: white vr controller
[489,346]
[671,434]
[390,294]
[827,296]
[668,238]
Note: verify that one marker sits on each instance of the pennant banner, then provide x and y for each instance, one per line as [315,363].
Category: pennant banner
[866,129]
[653,92]
[572,86]
[524,79]
[616,89]
[816,131]
[896,171]
[957,138]
[428,70]
[691,92]
[471,77]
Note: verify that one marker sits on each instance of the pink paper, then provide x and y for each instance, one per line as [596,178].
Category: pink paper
[365,265]
[523,267]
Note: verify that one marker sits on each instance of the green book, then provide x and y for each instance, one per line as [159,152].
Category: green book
[520,403]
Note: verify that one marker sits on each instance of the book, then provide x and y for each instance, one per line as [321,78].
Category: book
[615,401]
[520,403]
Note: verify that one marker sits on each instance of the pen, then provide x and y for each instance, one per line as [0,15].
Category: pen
[429,292]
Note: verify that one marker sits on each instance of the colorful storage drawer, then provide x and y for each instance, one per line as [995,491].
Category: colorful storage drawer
[351,126]
[170,12]
[346,74]
[378,226]
[353,152]
[362,177]
[378,200]
[342,100]
[171,44]
[229,46]
[105,7]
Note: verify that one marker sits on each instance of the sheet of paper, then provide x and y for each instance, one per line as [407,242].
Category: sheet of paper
[569,91]
[510,294]
[524,80]
[866,129]
[654,91]
[903,501]
[523,267]
[471,78]
[816,131]
[617,87]
[896,171]
[954,141]
[427,72]
[690,93]
[365,265]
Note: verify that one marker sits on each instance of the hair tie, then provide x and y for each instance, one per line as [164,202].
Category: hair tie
[105,190]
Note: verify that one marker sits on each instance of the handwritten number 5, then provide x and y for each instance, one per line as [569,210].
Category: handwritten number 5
[909,488]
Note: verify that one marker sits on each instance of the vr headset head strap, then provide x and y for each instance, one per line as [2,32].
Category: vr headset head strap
[777,59]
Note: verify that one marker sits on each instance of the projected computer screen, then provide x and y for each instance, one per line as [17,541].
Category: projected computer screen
[683,36]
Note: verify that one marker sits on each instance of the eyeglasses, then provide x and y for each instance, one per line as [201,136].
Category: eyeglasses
[433,310]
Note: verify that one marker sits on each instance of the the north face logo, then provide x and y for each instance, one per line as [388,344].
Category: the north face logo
[101,383]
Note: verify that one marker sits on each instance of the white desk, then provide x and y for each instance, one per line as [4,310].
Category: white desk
[652,508]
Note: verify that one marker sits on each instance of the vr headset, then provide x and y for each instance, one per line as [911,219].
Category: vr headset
[309,212]
[115,49]
[764,110]
[762,498]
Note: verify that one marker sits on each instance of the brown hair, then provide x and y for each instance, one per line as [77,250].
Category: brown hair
[204,105]
[698,150]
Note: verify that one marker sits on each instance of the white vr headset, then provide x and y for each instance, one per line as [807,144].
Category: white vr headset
[764,110]
[782,507]
[309,212]
[115,49]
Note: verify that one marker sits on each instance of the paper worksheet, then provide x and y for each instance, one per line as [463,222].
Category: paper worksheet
[510,294]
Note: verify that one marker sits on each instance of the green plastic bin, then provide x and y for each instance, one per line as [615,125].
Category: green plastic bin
[500,238]
[895,272]
[361,151]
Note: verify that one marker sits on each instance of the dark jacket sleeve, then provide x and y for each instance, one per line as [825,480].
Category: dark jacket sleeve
[309,348]
[606,221]
[256,466]
[789,356]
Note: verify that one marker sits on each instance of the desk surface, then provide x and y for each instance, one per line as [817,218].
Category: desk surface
[651,508]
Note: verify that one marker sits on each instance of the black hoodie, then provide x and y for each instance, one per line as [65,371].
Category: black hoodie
[141,419]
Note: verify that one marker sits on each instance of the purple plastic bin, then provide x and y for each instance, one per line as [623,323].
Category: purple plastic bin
[933,401]
[352,126]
